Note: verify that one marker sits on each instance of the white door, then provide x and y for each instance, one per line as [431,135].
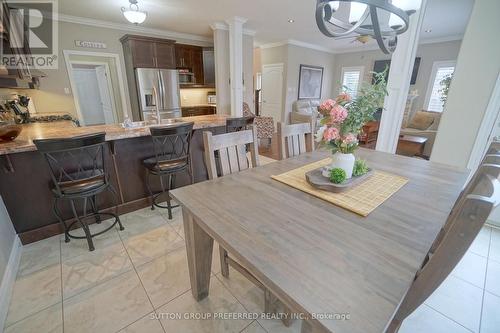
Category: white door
[106,99]
[89,96]
[272,91]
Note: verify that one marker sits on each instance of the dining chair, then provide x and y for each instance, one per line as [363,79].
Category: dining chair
[471,210]
[294,140]
[231,151]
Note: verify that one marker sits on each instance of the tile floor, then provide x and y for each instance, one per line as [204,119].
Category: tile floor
[138,275]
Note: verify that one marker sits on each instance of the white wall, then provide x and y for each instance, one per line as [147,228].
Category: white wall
[7,237]
[248,93]
[221,49]
[429,53]
[292,57]
[476,72]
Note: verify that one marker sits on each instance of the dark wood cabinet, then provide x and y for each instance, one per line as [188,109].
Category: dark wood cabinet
[191,111]
[190,57]
[165,55]
[148,52]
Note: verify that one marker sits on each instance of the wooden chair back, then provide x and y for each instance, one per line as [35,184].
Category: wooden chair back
[472,208]
[231,148]
[295,139]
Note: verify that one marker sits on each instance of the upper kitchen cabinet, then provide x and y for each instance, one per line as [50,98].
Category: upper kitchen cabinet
[190,57]
[148,52]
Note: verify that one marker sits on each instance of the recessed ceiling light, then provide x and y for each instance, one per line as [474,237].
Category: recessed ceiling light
[428,30]
[291,20]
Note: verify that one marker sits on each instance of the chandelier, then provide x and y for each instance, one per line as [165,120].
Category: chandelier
[382,19]
[133,14]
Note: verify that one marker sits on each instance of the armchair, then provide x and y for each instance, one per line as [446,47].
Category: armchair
[306,111]
[265,125]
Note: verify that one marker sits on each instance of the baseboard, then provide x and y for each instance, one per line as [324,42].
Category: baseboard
[9,277]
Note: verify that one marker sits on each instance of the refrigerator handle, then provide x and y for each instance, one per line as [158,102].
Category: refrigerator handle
[155,96]
[162,90]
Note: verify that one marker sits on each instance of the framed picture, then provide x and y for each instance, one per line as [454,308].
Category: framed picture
[310,82]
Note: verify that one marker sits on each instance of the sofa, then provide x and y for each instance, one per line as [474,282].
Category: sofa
[425,124]
[306,111]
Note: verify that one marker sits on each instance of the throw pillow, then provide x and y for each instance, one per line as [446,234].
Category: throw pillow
[421,121]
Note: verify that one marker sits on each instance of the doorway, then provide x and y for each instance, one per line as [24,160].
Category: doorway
[98,87]
[92,91]
[272,91]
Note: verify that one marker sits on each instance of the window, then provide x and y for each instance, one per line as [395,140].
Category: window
[351,79]
[440,70]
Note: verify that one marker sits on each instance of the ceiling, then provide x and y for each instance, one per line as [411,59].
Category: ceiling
[268,18]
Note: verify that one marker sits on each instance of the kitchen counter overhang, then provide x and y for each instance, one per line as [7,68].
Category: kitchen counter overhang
[25,178]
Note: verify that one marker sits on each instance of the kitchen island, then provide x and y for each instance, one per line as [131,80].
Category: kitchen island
[25,176]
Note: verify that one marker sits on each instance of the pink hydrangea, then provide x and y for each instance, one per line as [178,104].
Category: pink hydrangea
[331,133]
[327,105]
[343,97]
[338,114]
[350,139]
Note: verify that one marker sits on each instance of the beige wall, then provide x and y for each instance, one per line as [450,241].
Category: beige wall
[476,72]
[292,57]
[429,53]
[221,48]
[50,97]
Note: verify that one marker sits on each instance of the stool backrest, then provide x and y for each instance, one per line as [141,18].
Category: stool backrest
[74,159]
[231,148]
[172,142]
[238,124]
[471,210]
[294,140]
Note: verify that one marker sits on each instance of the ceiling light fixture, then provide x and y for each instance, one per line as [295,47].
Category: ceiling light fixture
[428,30]
[365,19]
[291,20]
[133,14]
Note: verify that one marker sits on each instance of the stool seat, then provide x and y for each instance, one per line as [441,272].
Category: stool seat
[165,165]
[83,185]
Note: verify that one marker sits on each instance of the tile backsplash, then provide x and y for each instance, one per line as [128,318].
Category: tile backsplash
[194,96]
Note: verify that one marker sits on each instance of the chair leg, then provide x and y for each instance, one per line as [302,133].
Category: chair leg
[224,265]
[148,186]
[58,215]
[95,209]
[84,225]
[115,196]
[287,318]
[169,203]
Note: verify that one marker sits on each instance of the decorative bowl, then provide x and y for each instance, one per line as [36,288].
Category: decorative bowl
[9,132]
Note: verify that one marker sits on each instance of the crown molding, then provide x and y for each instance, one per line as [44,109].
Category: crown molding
[131,28]
[361,48]
[225,26]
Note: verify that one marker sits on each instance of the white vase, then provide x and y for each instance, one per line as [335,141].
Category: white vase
[343,161]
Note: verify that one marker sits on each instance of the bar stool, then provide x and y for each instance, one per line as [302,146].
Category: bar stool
[78,170]
[171,146]
[238,124]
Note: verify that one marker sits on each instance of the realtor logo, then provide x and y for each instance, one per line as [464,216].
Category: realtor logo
[32,34]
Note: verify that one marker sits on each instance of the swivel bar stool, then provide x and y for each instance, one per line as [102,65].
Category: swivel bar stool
[172,147]
[78,170]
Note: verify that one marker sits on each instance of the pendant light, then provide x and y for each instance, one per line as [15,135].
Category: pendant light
[133,14]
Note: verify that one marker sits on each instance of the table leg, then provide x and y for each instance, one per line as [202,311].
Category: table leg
[199,247]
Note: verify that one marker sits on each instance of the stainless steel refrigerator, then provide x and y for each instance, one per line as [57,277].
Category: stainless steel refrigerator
[158,88]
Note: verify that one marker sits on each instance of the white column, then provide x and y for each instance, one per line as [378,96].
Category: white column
[221,54]
[398,83]
[236,63]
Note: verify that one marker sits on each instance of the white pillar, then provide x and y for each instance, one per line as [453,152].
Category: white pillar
[236,63]
[221,55]
[398,83]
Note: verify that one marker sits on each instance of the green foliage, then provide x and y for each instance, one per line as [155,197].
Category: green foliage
[337,176]
[369,99]
[360,168]
[445,84]
[344,148]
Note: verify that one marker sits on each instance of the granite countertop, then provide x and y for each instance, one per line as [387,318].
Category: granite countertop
[66,129]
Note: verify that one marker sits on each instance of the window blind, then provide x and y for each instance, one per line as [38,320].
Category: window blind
[350,82]
[435,103]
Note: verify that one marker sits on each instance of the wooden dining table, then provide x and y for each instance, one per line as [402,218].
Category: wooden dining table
[343,272]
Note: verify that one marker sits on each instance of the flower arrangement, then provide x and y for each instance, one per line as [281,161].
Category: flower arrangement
[344,117]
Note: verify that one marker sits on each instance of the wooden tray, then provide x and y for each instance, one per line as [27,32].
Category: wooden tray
[317,180]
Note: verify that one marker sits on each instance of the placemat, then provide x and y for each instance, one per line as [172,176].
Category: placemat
[361,199]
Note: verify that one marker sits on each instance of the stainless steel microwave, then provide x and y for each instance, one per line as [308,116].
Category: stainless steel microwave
[186,76]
